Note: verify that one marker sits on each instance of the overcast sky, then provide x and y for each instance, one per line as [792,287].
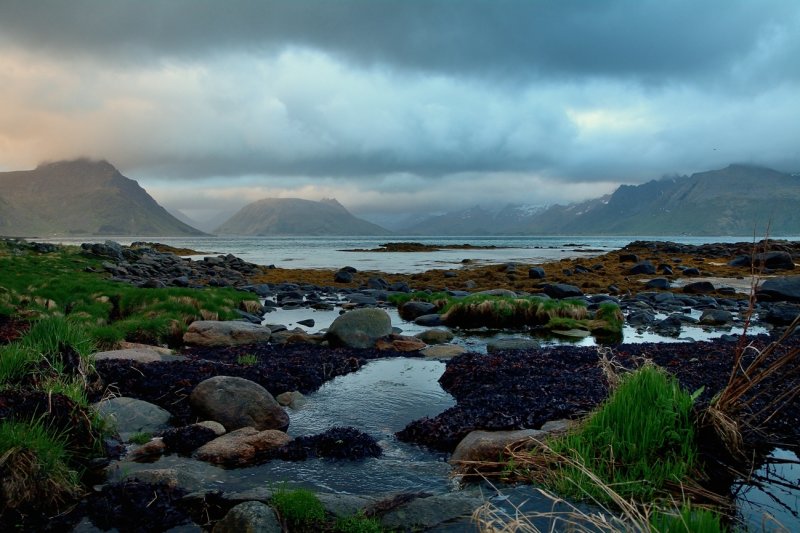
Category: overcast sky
[399,106]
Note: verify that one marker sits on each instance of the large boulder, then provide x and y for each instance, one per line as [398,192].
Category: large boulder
[699,287]
[236,403]
[643,267]
[249,517]
[360,328]
[411,310]
[490,445]
[427,513]
[241,447]
[561,290]
[783,289]
[716,317]
[774,260]
[225,333]
[130,416]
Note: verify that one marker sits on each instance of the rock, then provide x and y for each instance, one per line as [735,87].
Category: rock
[216,427]
[184,440]
[226,333]
[241,447]
[499,292]
[691,272]
[628,258]
[292,399]
[249,517]
[343,505]
[774,260]
[782,289]
[429,321]
[435,336]
[781,314]
[147,451]
[511,343]
[139,355]
[643,267]
[490,445]
[130,416]
[414,309]
[343,276]
[658,283]
[443,351]
[174,478]
[421,514]
[716,317]
[360,328]
[699,287]
[536,273]
[237,403]
[400,343]
[308,322]
[561,290]
[669,327]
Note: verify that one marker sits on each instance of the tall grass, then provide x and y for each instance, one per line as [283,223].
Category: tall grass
[640,442]
[34,463]
[15,363]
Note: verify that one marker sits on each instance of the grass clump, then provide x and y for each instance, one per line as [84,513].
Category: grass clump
[298,509]
[687,519]
[34,466]
[15,363]
[247,359]
[140,438]
[641,441]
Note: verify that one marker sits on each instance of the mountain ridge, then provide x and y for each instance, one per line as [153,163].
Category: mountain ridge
[296,216]
[739,199]
[81,197]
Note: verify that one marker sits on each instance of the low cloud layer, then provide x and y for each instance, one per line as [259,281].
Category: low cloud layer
[399,106]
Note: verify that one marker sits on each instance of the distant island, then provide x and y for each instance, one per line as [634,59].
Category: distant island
[419,247]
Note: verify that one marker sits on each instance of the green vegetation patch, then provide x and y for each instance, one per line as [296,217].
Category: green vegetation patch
[66,283]
[34,466]
[298,509]
[485,310]
[640,442]
[357,524]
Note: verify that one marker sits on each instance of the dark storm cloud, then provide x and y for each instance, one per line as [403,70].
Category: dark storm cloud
[652,40]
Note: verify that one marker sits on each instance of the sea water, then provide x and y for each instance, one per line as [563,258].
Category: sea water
[333,252]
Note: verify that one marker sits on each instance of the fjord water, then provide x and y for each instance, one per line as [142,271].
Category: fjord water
[330,252]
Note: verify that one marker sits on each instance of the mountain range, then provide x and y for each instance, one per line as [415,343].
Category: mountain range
[81,197]
[737,200]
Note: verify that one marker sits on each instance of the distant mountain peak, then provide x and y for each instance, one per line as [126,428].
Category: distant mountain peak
[82,197]
[296,216]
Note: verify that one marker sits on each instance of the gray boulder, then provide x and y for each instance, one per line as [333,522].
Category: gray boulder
[237,403]
[716,317]
[360,328]
[781,314]
[561,290]
[421,514]
[783,289]
[130,416]
[249,517]
[511,343]
[429,321]
[643,267]
[225,333]
[411,310]
[536,273]
[699,287]
[435,336]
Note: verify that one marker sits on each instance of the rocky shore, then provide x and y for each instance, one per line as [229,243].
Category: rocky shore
[263,370]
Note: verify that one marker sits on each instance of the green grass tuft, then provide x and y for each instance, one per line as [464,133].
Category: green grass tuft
[640,441]
[299,509]
[34,464]
[687,519]
[247,359]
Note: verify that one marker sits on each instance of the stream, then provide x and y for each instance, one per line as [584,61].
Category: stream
[386,394]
